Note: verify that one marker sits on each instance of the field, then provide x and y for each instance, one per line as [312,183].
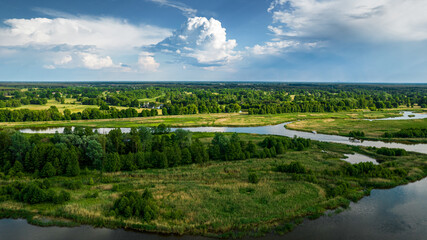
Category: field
[215,198]
[70,104]
[372,129]
[219,119]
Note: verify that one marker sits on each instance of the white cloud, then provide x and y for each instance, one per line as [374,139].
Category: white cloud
[49,67]
[103,33]
[147,63]
[203,40]
[70,41]
[279,47]
[93,61]
[180,6]
[362,20]
[64,60]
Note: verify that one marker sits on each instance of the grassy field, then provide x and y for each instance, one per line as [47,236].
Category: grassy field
[70,103]
[372,129]
[220,119]
[215,198]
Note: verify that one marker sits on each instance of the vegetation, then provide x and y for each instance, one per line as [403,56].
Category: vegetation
[213,184]
[150,189]
[408,133]
[200,99]
[382,130]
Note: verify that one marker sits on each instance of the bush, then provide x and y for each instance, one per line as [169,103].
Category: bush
[356,134]
[391,151]
[294,167]
[48,171]
[73,185]
[253,178]
[132,204]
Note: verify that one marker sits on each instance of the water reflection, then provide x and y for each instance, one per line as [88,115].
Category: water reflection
[359,158]
[406,116]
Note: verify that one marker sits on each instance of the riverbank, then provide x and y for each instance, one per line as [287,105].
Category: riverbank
[216,199]
[201,120]
[373,130]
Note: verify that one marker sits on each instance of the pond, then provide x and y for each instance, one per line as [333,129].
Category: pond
[359,158]
[406,116]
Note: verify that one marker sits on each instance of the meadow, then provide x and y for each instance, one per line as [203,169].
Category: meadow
[214,119]
[218,198]
[371,129]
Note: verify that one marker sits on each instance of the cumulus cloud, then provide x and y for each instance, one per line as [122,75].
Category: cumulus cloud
[104,33]
[202,40]
[79,41]
[64,60]
[362,20]
[147,63]
[93,61]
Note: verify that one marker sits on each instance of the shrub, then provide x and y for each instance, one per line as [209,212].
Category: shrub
[48,171]
[132,204]
[73,185]
[253,178]
[294,167]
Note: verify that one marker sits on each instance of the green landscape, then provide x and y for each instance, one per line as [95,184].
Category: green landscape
[152,179]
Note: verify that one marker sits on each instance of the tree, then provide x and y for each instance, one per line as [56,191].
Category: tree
[19,146]
[112,162]
[95,154]
[186,156]
[48,170]
[73,168]
[67,114]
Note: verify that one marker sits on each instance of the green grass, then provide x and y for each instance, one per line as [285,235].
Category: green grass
[220,119]
[372,129]
[70,103]
[215,198]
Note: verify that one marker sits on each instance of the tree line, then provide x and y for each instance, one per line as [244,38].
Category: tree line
[67,153]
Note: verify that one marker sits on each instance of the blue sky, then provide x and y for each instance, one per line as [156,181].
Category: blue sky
[221,40]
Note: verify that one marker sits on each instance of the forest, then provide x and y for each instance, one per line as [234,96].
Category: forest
[66,154]
[184,99]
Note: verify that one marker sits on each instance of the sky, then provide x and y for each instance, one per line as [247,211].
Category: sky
[222,40]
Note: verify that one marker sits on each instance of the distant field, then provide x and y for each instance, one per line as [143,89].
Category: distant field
[70,103]
[220,119]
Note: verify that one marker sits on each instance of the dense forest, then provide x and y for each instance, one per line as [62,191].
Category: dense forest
[180,99]
[66,154]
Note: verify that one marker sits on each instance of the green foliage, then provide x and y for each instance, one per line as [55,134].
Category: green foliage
[391,151]
[34,192]
[48,171]
[408,133]
[356,134]
[73,168]
[253,178]
[294,167]
[133,204]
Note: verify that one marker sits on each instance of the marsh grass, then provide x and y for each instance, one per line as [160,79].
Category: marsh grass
[216,198]
[217,119]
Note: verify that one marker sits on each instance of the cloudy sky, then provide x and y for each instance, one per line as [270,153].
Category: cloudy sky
[221,40]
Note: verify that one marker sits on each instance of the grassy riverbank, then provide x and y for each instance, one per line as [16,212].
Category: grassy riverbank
[220,119]
[372,129]
[216,198]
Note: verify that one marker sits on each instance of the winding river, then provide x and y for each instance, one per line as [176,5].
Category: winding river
[398,213]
